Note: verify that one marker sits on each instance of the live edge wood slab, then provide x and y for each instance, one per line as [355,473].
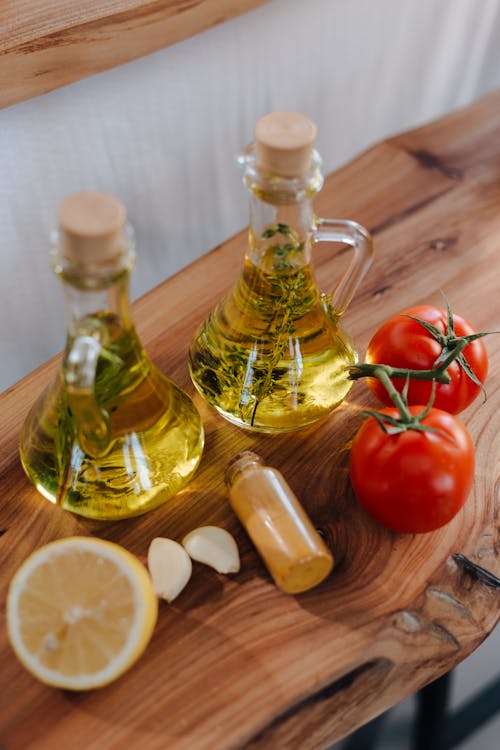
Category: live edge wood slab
[233,662]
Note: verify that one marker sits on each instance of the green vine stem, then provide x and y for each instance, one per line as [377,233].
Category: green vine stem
[406,420]
[438,374]
[398,400]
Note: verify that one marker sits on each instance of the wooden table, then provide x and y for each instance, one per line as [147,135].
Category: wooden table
[233,662]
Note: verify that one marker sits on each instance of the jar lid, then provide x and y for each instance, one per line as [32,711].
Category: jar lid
[91,227]
[284,144]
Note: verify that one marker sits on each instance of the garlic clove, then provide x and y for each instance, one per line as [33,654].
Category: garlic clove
[213,546]
[170,567]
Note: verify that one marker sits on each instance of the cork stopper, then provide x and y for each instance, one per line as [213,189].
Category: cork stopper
[283,144]
[91,227]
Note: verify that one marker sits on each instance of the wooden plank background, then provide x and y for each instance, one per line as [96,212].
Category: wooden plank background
[44,45]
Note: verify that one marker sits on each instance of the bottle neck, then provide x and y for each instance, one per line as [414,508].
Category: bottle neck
[85,307]
[96,293]
[238,464]
[281,214]
[280,234]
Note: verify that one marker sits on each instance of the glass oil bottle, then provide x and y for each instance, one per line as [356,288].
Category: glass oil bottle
[111,437]
[272,356]
[293,551]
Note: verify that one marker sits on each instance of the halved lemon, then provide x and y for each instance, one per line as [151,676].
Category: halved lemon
[80,611]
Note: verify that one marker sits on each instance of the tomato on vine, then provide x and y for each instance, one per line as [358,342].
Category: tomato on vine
[421,338]
[412,473]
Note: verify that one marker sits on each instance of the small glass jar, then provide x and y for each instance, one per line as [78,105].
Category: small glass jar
[277,524]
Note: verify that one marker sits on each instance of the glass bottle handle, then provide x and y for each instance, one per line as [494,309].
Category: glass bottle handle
[359,239]
[79,369]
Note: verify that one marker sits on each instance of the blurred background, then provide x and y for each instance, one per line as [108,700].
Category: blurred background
[161,133]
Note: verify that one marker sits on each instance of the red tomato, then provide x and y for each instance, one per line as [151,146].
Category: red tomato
[403,342]
[413,481]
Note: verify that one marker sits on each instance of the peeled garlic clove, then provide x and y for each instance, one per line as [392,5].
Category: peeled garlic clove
[215,547]
[170,567]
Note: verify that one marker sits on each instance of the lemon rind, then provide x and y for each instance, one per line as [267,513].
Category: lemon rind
[146,610]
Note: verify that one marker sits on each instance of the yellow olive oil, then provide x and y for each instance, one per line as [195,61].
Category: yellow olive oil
[153,441]
[271,356]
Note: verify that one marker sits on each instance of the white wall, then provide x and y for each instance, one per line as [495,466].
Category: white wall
[161,132]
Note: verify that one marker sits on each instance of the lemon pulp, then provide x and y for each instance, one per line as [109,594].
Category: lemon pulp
[80,611]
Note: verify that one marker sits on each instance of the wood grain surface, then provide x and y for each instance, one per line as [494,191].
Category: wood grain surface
[46,45]
[233,662]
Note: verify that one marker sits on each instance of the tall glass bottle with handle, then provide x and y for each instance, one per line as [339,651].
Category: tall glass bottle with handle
[273,356]
[111,437]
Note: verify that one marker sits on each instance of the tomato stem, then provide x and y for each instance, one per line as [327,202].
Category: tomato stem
[384,373]
[381,373]
[438,374]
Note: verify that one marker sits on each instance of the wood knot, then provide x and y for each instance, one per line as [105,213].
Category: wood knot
[429,160]
[407,621]
[411,623]
[450,602]
[381,290]
[442,243]
[476,572]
